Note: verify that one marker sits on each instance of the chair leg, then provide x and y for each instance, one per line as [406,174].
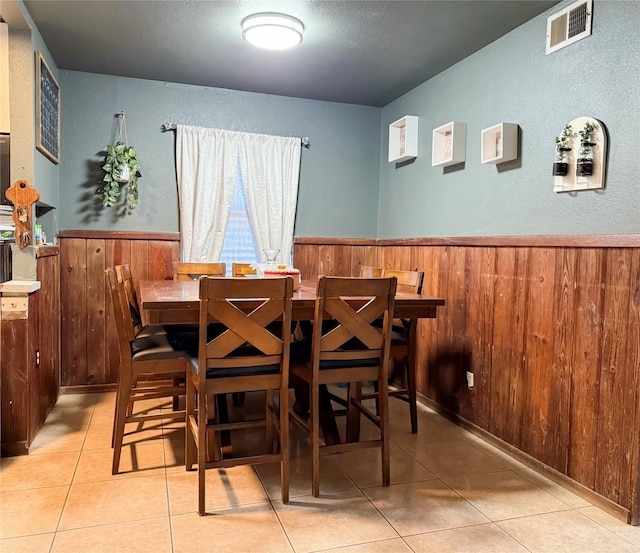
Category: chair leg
[202,449]
[220,446]
[176,398]
[122,401]
[384,431]
[284,442]
[411,385]
[190,443]
[238,399]
[354,395]
[269,430]
[314,423]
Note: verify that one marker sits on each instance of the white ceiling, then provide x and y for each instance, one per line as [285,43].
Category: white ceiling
[360,52]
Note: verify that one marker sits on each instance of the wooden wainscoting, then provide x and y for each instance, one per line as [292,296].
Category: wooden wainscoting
[89,352]
[550,328]
[30,360]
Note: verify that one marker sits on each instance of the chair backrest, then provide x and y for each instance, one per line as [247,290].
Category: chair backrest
[125,279]
[242,309]
[121,315]
[354,305]
[242,269]
[193,271]
[370,272]
[408,281]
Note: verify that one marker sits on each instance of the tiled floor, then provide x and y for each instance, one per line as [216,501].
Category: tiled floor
[449,492]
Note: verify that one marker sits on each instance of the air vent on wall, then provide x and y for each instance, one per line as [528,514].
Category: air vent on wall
[569,25]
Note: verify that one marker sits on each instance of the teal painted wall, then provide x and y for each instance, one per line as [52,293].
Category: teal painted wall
[512,80]
[339,174]
[45,173]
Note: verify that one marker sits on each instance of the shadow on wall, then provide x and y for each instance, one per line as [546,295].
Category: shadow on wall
[90,201]
[448,377]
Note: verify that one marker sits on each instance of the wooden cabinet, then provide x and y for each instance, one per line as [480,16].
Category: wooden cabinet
[30,360]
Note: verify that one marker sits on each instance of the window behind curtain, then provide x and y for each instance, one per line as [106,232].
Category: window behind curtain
[239,244]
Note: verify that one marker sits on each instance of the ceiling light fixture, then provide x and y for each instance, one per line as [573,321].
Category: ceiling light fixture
[273,31]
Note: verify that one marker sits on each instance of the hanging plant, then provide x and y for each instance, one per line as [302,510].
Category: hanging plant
[120,167]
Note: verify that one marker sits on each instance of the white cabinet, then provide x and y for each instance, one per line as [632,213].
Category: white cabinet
[499,143]
[449,144]
[403,139]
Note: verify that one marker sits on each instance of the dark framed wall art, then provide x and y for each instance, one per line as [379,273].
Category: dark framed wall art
[47,111]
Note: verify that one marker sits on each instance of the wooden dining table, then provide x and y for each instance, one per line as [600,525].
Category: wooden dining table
[177,302]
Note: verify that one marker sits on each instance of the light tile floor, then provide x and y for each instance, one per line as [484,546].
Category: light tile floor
[449,492]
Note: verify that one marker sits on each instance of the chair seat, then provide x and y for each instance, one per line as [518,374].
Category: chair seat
[157,346]
[151,330]
[235,371]
[399,338]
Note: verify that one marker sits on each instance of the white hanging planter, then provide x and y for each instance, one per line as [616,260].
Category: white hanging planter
[120,167]
[122,172]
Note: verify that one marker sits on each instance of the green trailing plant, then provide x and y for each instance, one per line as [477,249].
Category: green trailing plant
[565,140]
[119,160]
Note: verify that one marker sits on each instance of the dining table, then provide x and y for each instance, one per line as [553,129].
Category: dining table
[177,302]
[171,302]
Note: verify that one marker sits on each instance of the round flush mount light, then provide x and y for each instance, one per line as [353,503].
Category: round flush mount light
[273,31]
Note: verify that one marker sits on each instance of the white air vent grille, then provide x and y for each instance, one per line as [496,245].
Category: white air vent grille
[569,25]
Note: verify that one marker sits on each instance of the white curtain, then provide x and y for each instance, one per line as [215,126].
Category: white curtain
[270,168]
[206,161]
[206,170]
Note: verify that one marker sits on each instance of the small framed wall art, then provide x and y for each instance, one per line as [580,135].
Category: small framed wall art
[47,111]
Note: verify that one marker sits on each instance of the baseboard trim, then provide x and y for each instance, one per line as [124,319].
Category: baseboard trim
[88,389]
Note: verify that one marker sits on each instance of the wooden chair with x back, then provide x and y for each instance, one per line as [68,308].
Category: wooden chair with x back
[402,343]
[353,350]
[246,356]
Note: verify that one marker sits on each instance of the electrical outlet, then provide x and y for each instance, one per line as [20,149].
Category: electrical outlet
[470,379]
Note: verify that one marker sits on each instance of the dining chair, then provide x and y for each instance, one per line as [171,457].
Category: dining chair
[370,272]
[193,271]
[125,277]
[246,356]
[243,269]
[181,336]
[353,350]
[150,366]
[402,348]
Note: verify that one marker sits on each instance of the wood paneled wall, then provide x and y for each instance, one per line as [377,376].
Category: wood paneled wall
[548,325]
[89,352]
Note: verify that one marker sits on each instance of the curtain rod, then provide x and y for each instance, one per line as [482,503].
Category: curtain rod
[172,127]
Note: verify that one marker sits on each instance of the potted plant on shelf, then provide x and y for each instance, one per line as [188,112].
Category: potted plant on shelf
[563,147]
[120,166]
[584,165]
